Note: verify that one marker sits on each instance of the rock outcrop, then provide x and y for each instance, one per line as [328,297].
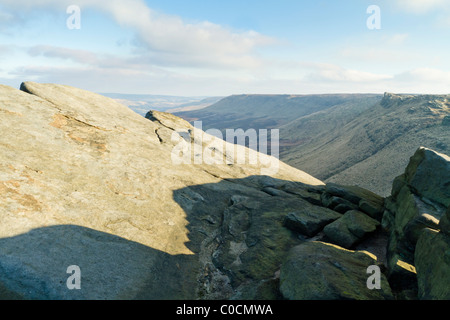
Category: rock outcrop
[151,208]
[321,271]
[418,249]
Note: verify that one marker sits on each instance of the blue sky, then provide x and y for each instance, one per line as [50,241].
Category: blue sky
[206,48]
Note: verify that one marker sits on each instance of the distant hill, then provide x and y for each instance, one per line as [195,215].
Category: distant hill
[363,140]
[270,111]
[142,103]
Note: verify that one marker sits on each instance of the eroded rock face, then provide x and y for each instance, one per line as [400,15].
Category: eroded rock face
[418,224]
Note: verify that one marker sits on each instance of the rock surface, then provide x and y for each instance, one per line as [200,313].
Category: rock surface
[352,228]
[418,251]
[86,181]
[321,271]
[428,175]
[310,220]
[346,198]
[432,259]
[155,209]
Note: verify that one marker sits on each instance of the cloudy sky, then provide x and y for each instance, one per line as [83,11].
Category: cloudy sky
[217,47]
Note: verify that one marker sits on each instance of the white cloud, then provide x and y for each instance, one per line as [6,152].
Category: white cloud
[169,39]
[421,6]
[79,56]
[173,56]
[397,39]
[333,73]
[426,76]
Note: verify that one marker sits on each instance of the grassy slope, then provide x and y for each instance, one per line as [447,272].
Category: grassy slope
[374,148]
[363,140]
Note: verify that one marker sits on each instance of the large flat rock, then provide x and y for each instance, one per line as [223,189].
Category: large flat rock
[86,181]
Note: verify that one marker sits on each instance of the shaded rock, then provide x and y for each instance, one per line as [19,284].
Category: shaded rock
[341,205]
[397,185]
[309,219]
[446,121]
[410,216]
[275,192]
[346,198]
[432,259]
[428,175]
[326,199]
[251,230]
[338,233]
[312,194]
[353,194]
[374,210]
[415,227]
[321,271]
[402,276]
[350,229]
[414,211]
[444,223]
[338,204]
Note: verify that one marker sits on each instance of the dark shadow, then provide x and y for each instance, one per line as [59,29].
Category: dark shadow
[34,266]
[236,228]
[235,232]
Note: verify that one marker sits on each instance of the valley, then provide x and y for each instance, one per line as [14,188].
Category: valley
[356,139]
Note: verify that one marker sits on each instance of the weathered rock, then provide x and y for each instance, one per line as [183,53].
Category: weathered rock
[402,275]
[446,121]
[345,198]
[374,210]
[341,205]
[432,259]
[409,218]
[428,175]
[415,227]
[397,185]
[321,271]
[353,227]
[309,219]
[444,223]
[338,233]
[416,208]
[86,181]
[353,194]
[312,194]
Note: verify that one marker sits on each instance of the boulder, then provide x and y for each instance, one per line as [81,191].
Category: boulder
[373,209]
[444,223]
[345,198]
[432,260]
[322,271]
[350,229]
[428,175]
[309,219]
[416,226]
[402,276]
[353,194]
[415,211]
[446,121]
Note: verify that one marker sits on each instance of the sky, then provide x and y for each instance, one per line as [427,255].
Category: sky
[220,48]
